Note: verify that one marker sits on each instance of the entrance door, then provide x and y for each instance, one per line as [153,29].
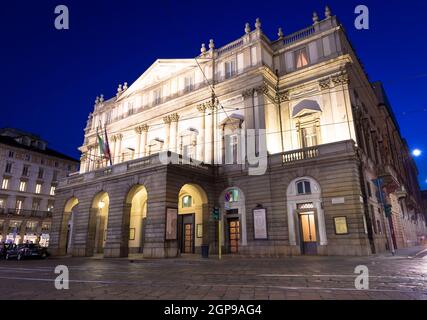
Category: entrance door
[233,235]
[308,233]
[187,241]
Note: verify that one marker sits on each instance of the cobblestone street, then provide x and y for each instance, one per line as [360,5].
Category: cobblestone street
[398,277]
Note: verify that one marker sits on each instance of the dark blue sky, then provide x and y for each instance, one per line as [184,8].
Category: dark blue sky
[50,78]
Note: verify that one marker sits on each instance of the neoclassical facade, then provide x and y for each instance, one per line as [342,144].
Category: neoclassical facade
[321,136]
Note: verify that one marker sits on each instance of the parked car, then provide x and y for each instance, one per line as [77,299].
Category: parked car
[3,250]
[27,251]
[12,251]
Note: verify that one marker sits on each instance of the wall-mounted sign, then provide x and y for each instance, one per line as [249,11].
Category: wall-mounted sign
[338,200]
[341,226]
[171,224]
[260,224]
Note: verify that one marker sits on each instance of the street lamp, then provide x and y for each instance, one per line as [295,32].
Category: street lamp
[101,204]
[416,152]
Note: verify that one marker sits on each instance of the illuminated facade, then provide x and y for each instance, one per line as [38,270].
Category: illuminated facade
[30,173]
[309,102]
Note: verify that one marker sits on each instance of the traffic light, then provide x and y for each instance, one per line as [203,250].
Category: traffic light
[387,210]
[215,213]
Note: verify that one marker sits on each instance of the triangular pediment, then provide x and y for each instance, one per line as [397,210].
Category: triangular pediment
[159,71]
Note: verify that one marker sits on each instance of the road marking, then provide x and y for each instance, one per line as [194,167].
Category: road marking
[337,276]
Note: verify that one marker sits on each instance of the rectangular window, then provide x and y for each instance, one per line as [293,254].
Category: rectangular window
[25,171]
[309,137]
[189,83]
[38,188]
[230,69]
[55,176]
[2,203]
[41,173]
[19,205]
[27,157]
[52,190]
[36,204]
[301,58]
[50,205]
[23,186]
[11,154]
[8,167]
[157,97]
[5,184]
[369,189]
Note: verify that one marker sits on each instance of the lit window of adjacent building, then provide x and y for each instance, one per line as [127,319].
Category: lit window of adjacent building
[301,58]
[8,167]
[2,203]
[19,204]
[230,69]
[38,188]
[187,202]
[52,190]
[36,204]
[45,227]
[11,154]
[50,205]
[41,173]
[25,171]
[5,183]
[23,186]
[303,187]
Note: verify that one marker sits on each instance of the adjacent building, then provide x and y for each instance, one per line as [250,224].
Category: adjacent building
[30,172]
[285,139]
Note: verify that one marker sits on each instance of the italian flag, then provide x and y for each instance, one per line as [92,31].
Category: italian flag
[103,144]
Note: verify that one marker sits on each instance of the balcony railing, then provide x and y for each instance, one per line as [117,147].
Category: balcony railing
[25,213]
[302,154]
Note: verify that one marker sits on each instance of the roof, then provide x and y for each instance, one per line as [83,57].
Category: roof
[48,152]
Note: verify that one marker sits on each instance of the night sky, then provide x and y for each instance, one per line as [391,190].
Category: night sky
[50,78]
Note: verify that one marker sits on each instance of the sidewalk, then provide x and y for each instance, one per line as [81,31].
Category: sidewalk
[411,252]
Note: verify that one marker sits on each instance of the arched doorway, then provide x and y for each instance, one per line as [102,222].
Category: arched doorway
[233,210]
[137,200]
[192,206]
[99,221]
[306,222]
[67,227]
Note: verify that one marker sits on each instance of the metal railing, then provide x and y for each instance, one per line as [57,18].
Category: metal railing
[26,213]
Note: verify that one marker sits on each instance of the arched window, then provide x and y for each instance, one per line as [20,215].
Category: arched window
[232,195]
[303,187]
[187,201]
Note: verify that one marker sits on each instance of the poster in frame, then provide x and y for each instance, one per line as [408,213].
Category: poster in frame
[260,223]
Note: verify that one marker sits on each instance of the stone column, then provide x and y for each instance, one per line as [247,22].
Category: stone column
[201,136]
[113,149]
[82,244]
[138,131]
[163,195]
[173,132]
[119,138]
[144,139]
[117,244]
[167,121]
[208,136]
